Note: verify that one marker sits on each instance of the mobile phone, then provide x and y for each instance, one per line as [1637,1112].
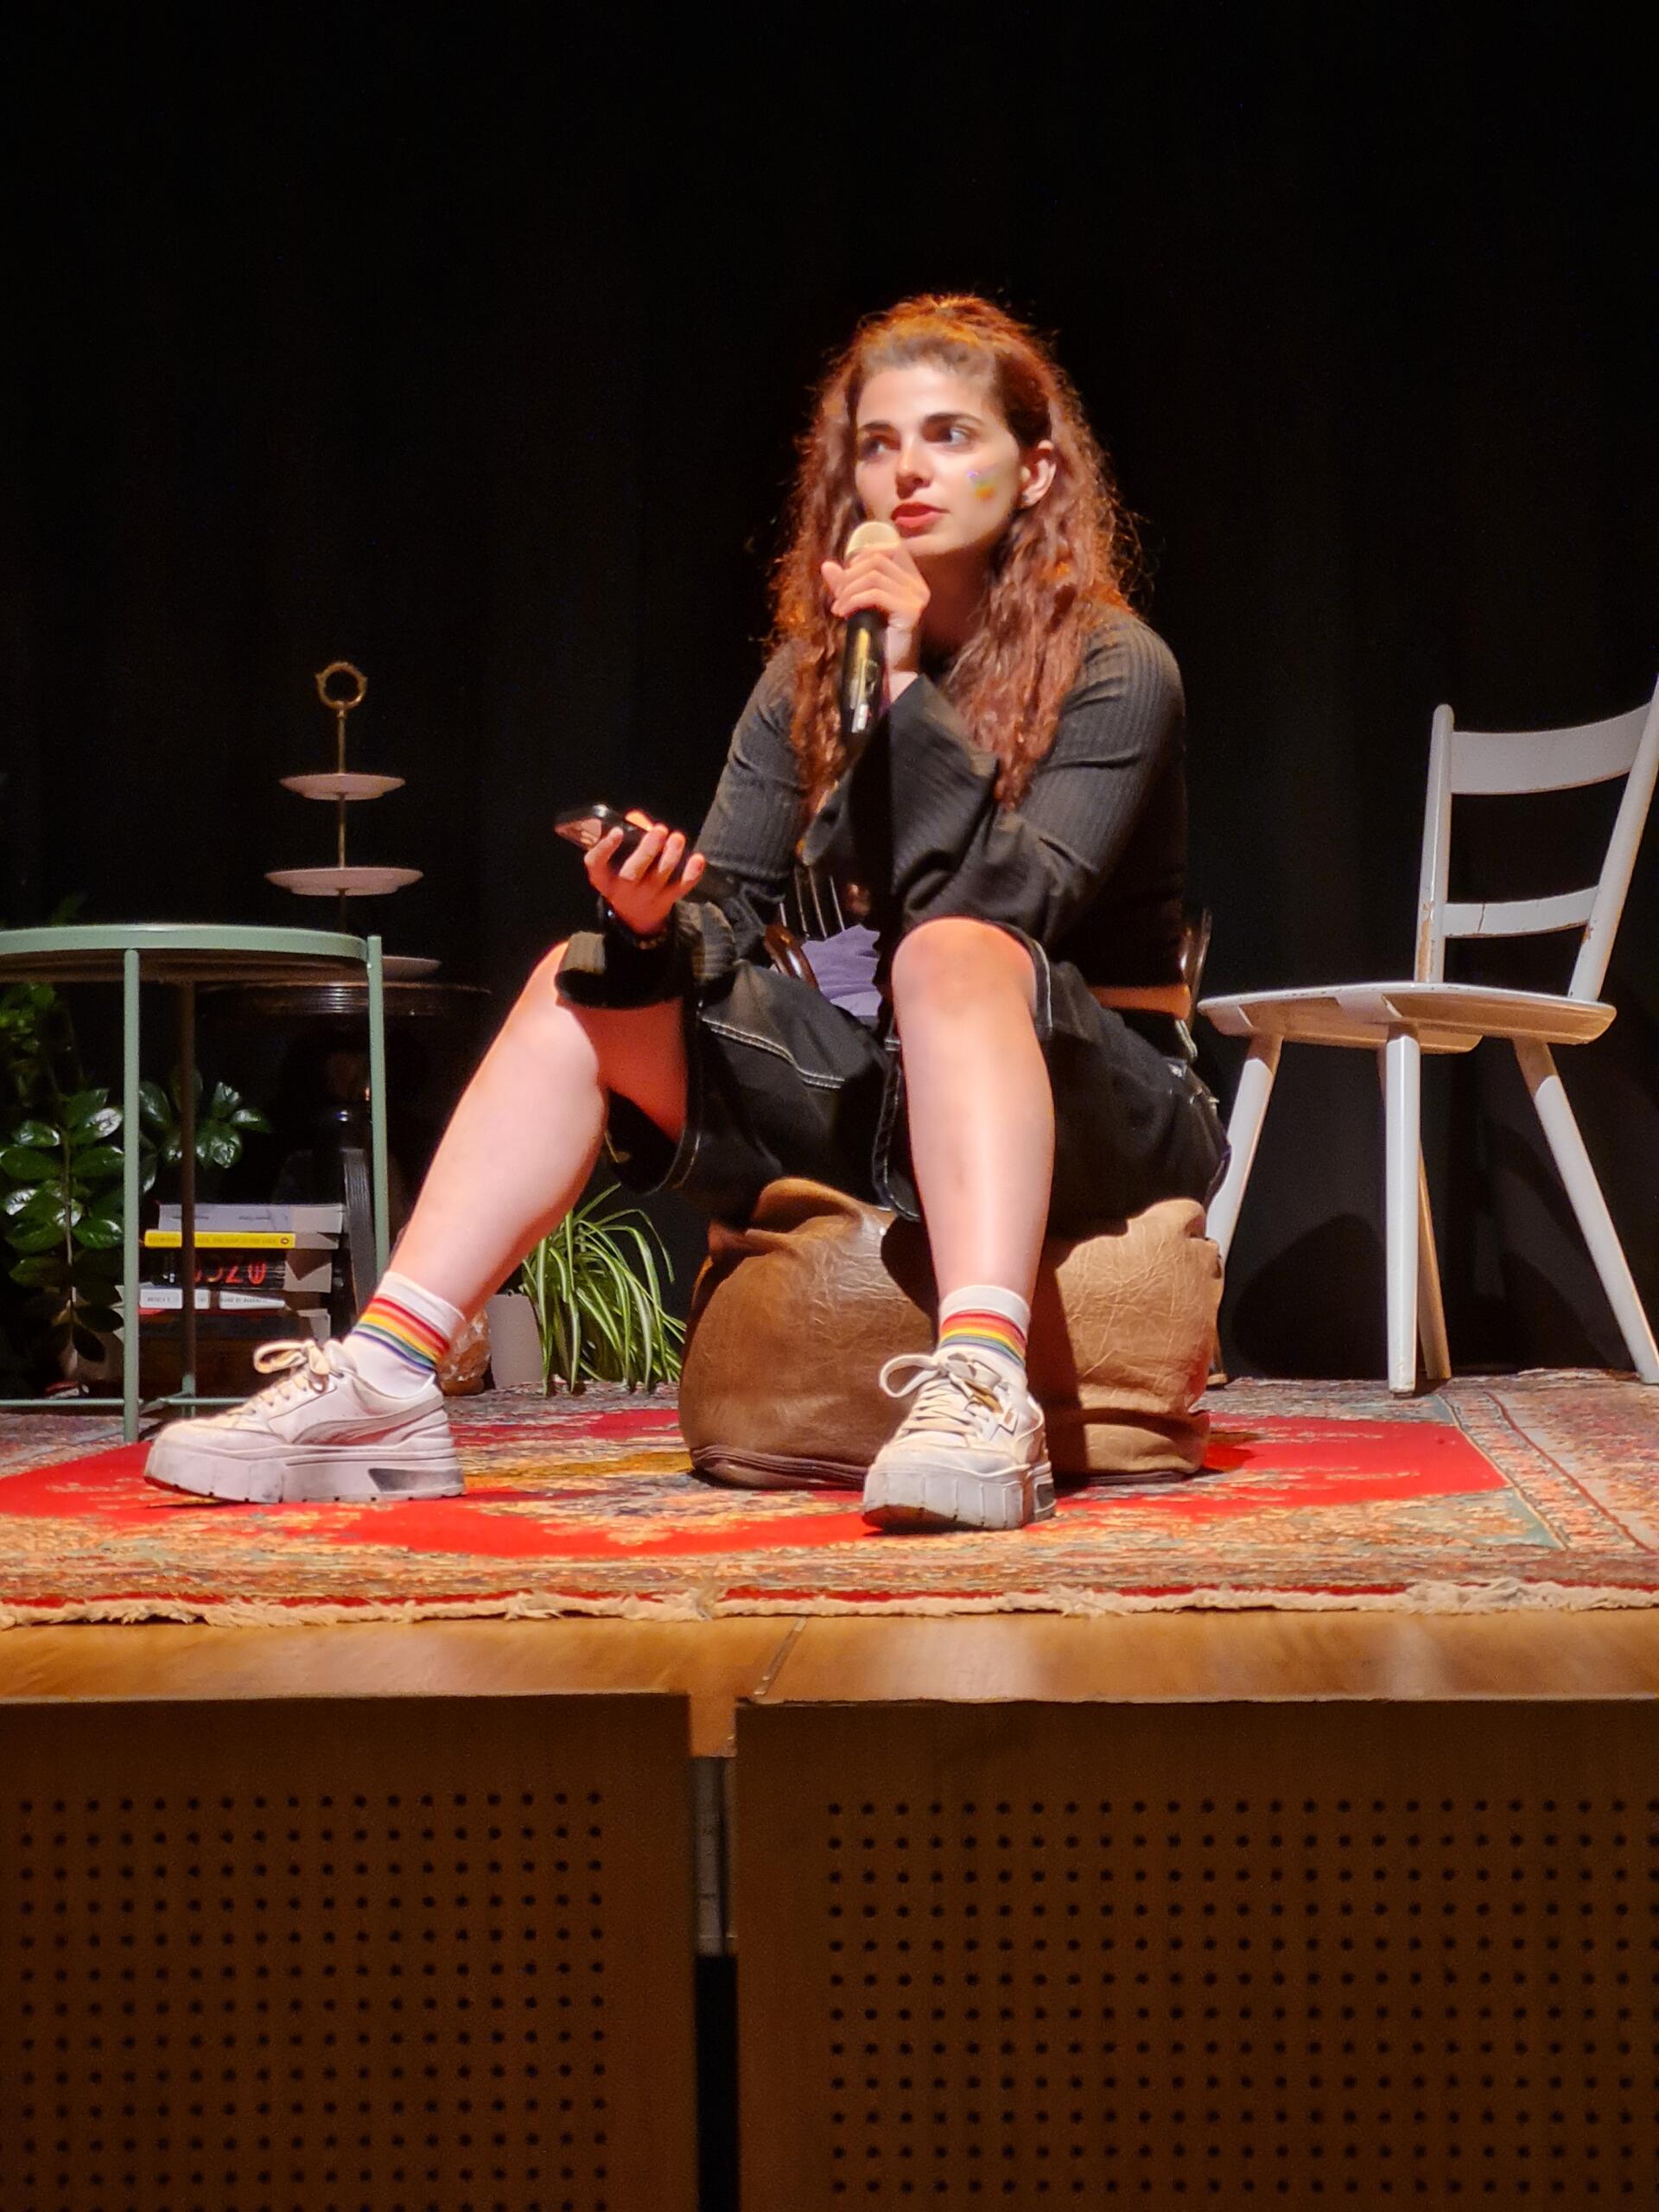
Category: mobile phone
[586,825]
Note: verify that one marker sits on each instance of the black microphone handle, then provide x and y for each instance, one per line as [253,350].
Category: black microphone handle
[864,668]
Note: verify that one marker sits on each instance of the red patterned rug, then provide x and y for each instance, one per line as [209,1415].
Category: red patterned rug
[1539,1491]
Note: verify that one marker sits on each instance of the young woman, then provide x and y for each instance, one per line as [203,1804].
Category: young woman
[1011,1057]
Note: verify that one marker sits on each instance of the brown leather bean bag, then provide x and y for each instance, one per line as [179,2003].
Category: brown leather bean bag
[793,1317]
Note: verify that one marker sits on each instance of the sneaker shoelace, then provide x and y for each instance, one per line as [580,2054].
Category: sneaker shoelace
[953,1391]
[301,1366]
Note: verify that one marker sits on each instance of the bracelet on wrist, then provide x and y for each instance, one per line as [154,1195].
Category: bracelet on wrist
[612,920]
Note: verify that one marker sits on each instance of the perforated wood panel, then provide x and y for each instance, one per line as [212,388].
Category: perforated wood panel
[377,1955]
[1228,1955]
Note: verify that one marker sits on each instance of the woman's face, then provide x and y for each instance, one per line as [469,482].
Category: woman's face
[934,456]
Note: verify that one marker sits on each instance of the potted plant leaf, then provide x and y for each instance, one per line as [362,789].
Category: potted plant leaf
[61,1185]
[61,1216]
[222,1127]
[596,1287]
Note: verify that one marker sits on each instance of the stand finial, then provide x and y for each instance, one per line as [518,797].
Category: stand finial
[341,706]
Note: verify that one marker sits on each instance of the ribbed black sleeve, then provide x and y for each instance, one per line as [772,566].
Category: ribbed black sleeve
[916,818]
[749,835]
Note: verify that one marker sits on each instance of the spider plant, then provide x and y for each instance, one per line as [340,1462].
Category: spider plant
[596,1287]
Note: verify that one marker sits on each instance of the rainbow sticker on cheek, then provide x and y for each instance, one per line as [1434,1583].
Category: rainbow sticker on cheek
[983,486]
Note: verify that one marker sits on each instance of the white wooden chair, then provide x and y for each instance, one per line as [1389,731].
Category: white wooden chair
[1401,1021]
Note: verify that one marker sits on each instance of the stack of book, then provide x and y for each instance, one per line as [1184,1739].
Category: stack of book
[261,1271]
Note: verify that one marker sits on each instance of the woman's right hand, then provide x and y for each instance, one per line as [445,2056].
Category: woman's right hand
[642,891]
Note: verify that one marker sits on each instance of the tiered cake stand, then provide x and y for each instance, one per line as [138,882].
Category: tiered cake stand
[341,688]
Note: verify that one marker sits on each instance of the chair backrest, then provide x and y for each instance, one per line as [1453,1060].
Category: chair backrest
[1463,761]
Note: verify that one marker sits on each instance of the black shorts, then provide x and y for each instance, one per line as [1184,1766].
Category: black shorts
[781,1081]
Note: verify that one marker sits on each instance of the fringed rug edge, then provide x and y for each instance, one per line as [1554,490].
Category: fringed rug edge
[1504,1596]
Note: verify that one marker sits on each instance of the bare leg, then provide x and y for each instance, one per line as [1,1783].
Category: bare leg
[525,1137]
[969,1453]
[981,1111]
[332,1425]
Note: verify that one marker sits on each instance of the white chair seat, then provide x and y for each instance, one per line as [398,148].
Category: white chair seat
[1443,1017]
[1401,1021]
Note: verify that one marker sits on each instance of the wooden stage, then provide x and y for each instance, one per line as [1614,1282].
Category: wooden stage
[1238,1907]
[774,1661]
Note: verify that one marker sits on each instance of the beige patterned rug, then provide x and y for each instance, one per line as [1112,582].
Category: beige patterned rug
[1535,1490]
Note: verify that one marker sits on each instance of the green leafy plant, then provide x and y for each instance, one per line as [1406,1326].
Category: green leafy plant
[60,1147]
[61,1215]
[221,1125]
[37,1046]
[39,1063]
[60,1176]
[596,1285]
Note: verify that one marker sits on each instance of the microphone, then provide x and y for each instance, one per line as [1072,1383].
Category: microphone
[864,661]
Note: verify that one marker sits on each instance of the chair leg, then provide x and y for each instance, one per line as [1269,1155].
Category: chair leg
[1401,1076]
[1243,1135]
[1430,1309]
[1549,1097]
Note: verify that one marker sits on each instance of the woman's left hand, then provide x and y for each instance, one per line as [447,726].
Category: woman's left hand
[883,576]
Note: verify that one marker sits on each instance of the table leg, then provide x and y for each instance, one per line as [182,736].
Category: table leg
[377,976]
[130,1353]
[188,1190]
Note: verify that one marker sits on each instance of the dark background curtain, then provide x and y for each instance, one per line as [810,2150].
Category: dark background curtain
[475,354]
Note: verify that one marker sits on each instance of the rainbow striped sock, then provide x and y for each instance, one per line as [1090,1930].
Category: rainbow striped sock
[987,1321]
[403,1334]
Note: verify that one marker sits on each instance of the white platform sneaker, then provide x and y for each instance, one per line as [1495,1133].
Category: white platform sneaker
[317,1432]
[968,1454]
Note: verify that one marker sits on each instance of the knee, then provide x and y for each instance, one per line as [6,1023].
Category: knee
[541,996]
[956,957]
[545,975]
[551,1028]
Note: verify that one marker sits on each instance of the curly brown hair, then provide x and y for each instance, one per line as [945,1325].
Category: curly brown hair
[1056,567]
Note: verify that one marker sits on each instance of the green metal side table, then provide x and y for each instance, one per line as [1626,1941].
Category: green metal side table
[184,955]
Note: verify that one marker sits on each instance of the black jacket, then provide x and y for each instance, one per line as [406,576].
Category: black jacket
[1090,863]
